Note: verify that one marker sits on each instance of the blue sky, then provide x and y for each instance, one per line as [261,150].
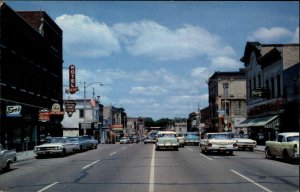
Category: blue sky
[154,57]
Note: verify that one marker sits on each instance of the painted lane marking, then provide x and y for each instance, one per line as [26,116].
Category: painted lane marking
[250,180]
[112,153]
[151,179]
[90,164]
[190,149]
[206,157]
[45,188]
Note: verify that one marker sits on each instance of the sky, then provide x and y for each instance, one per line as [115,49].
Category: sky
[154,57]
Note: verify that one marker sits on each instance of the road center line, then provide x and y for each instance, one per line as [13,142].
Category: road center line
[90,164]
[151,179]
[206,157]
[190,149]
[250,180]
[112,153]
[45,188]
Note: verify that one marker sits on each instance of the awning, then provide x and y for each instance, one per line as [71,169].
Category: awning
[270,121]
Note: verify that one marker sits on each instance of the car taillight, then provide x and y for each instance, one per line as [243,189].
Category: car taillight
[209,145]
[234,145]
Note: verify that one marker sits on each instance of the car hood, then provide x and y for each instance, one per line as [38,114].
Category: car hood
[222,141]
[50,145]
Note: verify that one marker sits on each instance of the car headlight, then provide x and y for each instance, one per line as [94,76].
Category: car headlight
[36,149]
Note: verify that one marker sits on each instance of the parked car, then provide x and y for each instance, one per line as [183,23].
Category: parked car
[124,140]
[7,157]
[286,146]
[93,143]
[166,139]
[180,138]
[55,145]
[80,143]
[218,142]
[191,138]
[243,141]
[149,139]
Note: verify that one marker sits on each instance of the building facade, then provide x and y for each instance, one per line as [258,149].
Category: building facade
[30,78]
[227,100]
[272,72]
[76,124]
[135,126]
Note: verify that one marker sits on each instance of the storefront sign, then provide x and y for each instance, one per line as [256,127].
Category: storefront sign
[44,115]
[55,110]
[266,107]
[13,111]
[70,107]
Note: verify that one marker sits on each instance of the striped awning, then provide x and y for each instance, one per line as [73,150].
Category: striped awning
[271,121]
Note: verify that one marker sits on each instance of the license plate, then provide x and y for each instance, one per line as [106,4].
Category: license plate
[222,148]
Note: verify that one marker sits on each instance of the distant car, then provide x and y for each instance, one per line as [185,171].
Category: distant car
[134,139]
[243,141]
[93,142]
[124,140]
[149,139]
[166,139]
[55,145]
[191,138]
[218,142]
[80,143]
[286,146]
[180,138]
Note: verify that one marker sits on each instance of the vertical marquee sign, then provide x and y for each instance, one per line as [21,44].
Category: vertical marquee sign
[72,80]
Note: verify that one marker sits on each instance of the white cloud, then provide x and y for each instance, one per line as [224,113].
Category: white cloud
[264,34]
[150,90]
[150,39]
[87,38]
[295,38]
[225,64]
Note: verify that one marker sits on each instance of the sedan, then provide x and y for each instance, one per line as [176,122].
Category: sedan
[93,143]
[124,140]
[80,143]
[55,145]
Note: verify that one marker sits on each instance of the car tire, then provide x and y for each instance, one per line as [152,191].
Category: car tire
[250,149]
[7,167]
[156,148]
[269,154]
[63,153]
[175,148]
[286,156]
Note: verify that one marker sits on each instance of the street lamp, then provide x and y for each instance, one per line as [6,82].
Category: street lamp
[84,98]
[225,86]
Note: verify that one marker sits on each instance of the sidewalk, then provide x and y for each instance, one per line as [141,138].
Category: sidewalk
[260,148]
[25,155]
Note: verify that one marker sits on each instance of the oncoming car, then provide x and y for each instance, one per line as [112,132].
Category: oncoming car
[166,140]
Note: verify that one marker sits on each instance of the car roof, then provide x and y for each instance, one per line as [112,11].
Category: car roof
[168,132]
[289,134]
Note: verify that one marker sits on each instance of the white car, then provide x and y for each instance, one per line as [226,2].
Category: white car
[218,142]
[243,141]
[286,146]
[166,139]
[55,145]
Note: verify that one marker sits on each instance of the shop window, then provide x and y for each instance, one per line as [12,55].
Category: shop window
[81,115]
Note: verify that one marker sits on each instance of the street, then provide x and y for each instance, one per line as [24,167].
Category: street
[138,167]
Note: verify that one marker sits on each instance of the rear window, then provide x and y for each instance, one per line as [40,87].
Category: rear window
[166,135]
[293,138]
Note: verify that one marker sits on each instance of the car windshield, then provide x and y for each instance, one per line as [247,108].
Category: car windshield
[218,136]
[56,140]
[292,138]
[191,134]
[167,135]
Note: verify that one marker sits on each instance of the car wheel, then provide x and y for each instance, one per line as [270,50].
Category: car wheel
[7,168]
[175,148]
[269,154]
[286,156]
[156,148]
[230,152]
[250,149]
[63,153]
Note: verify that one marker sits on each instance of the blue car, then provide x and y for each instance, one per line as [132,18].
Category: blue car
[192,138]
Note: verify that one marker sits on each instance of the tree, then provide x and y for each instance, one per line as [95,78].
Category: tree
[149,122]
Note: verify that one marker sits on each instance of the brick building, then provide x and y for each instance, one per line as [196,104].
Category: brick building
[30,78]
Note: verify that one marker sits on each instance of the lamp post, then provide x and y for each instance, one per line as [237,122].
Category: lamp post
[225,86]
[84,98]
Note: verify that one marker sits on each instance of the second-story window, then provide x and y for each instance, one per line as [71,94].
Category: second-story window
[259,81]
[278,86]
[81,114]
[272,88]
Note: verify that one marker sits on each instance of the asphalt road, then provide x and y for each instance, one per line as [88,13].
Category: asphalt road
[138,167]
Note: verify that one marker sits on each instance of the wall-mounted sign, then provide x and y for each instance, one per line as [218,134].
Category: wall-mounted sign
[70,107]
[13,111]
[55,110]
[72,80]
[44,115]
